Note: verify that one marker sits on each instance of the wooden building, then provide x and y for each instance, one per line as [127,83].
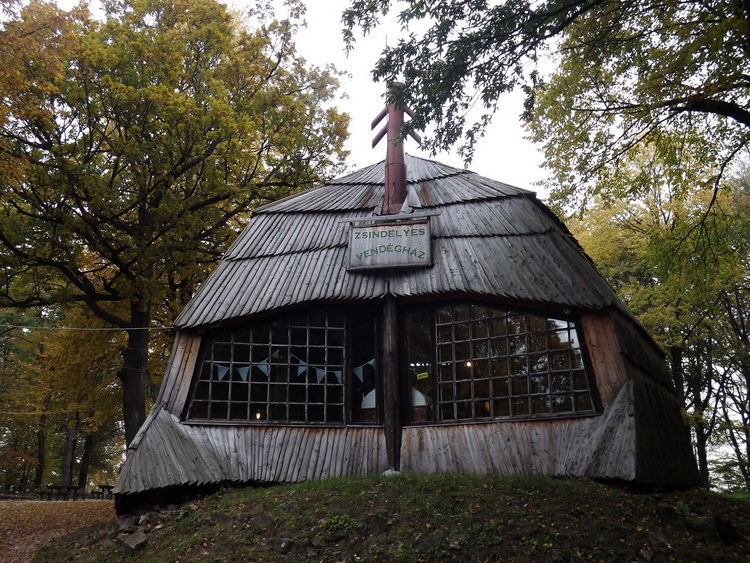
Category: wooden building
[461,329]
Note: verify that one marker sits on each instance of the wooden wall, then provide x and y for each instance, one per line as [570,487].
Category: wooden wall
[179,373]
[168,453]
[663,450]
[639,434]
[597,446]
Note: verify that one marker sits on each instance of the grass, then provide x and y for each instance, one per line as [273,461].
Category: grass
[431,518]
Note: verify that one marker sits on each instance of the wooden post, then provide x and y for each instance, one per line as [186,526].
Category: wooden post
[391,401]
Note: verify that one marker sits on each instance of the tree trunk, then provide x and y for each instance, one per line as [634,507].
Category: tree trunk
[701,439]
[678,373]
[83,471]
[134,372]
[41,446]
[701,436]
[69,454]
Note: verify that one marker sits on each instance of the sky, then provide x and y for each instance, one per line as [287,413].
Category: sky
[503,154]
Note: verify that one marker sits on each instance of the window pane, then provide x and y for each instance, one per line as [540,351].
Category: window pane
[261,335]
[219,410]
[497,327]
[501,407]
[464,370]
[363,376]
[239,392]
[579,381]
[561,382]
[446,371]
[447,392]
[317,337]
[462,331]
[462,351]
[447,411]
[445,333]
[520,406]
[500,387]
[222,352]
[482,369]
[482,409]
[238,411]
[540,404]
[480,349]
[482,389]
[519,386]
[199,409]
[583,402]
[500,367]
[445,353]
[479,329]
[464,410]
[280,335]
[335,413]
[461,313]
[220,391]
[463,390]
[241,353]
[562,403]
[538,384]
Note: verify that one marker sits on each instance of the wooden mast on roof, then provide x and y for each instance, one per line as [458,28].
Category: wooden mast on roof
[395,166]
[393,199]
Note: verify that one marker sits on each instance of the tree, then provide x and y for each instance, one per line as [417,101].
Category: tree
[670,248]
[131,148]
[22,439]
[734,302]
[625,68]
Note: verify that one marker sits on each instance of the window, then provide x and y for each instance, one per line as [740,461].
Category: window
[471,362]
[463,362]
[300,369]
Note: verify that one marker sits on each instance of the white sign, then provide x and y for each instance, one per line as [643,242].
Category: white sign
[390,245]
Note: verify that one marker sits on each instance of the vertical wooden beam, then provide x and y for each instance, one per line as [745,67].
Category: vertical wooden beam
[391,400]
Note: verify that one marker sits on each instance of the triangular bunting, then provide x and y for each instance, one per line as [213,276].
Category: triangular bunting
[243,373]
[221,372]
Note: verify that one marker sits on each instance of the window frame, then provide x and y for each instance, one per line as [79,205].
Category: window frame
[436,418]
[350,317]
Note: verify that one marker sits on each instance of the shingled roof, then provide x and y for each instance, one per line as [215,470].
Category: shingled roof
[489,238]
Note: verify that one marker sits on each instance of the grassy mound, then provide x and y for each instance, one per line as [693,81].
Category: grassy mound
[430,518]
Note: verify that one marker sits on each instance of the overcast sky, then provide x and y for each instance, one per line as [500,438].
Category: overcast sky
[502,155]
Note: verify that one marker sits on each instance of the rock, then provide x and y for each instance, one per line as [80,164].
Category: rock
[726,530]
[667,513]
[286,545]
[390,472]
[135,540]
[128,524]
[428,544]
[702,524]
[454,541]
[713,527]
[106,543]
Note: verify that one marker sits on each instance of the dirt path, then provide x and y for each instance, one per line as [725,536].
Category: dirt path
[26,525]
